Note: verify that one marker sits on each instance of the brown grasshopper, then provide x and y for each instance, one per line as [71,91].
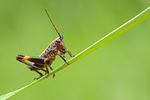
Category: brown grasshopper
[47,56]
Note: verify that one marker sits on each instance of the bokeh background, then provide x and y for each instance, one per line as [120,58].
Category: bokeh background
[119,70]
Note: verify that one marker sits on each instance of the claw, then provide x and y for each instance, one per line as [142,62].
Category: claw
[47,75]
[73,56]
[53,75]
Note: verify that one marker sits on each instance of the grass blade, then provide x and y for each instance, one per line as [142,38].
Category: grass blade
[135,20]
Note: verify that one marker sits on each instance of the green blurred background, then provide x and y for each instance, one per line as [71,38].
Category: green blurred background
[119,70]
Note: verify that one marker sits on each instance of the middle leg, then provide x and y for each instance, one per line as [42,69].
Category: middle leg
[52,70]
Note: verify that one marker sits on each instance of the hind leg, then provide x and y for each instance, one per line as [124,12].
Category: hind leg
[39,63]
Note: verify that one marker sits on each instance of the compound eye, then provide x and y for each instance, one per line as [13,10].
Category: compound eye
[58,41]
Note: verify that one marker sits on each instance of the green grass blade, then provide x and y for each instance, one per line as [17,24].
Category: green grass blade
[135,20]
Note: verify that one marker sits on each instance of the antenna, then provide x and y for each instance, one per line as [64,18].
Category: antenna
[53,24]
[63,29]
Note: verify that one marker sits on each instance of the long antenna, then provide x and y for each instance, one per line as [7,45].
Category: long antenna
[63,29]
[53,24]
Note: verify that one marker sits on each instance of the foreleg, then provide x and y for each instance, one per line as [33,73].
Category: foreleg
[69,53]
[63,58]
